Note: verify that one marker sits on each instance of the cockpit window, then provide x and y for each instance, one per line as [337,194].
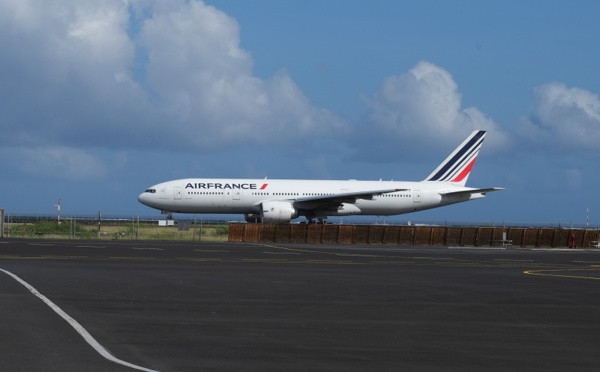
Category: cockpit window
[151,191]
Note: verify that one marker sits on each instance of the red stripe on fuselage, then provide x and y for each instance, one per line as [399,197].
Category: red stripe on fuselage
[264,186]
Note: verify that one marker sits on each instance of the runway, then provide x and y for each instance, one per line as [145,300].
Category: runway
[176,306]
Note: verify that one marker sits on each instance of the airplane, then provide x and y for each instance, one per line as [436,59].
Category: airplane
[283,200]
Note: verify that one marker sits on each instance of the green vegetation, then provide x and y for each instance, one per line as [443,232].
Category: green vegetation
[108,230]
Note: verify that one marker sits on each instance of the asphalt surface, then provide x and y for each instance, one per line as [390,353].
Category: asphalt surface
[173,306]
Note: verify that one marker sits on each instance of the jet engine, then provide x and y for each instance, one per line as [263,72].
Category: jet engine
[253,218]
[277,212]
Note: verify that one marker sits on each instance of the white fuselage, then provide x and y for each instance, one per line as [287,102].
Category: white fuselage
[232,196]
[280,201]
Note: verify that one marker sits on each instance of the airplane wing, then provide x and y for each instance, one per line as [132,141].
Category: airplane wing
[471,191]
[310,202]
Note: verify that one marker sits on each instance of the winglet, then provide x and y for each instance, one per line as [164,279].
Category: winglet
[457,166]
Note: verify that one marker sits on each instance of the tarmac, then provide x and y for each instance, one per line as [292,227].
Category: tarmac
[189,306]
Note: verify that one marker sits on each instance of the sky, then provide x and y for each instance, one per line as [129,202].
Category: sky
[101,99]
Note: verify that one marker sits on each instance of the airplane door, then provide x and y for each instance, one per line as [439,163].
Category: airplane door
[236,195]
[177,193]
[416,196]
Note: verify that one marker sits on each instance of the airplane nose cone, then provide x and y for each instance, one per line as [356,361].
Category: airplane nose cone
[149,197]
[142,198]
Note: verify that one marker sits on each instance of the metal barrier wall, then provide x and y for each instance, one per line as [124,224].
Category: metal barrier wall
[411,235]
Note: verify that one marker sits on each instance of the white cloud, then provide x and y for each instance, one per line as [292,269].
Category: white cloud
[61,40]
[421,109]
[65,71]
[206,84]
[563,117]
[127,74]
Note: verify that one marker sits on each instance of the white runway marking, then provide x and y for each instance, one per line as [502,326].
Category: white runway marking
[480,248]
[561,250]
[296,253]
[511,260]
[148,249]
[78,327]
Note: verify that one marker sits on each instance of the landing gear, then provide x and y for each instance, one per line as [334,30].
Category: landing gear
[169,214]
[320,221]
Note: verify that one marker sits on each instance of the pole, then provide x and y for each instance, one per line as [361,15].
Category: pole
[58,215]
[587,218]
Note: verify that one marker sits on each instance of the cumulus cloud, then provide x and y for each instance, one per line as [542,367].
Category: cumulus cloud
[563,117]
[130,74]
[65,69]
[204,79]
[421,109]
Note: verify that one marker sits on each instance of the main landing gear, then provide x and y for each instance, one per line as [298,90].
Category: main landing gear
[319,221]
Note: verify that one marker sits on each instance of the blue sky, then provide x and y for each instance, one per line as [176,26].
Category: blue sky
[101,99]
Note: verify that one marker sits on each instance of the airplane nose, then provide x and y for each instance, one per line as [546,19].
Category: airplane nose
[142,198]
[149,197]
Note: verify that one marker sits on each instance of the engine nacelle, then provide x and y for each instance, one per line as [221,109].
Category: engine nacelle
[277,212]
[347,210]
[253,218]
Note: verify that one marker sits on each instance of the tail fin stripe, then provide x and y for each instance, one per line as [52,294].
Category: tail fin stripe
[465,152]
[465,171]
[461,163]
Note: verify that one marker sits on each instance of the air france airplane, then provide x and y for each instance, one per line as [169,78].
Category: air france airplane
[280,201]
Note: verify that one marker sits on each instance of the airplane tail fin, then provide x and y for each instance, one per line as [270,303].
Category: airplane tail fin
[457,166]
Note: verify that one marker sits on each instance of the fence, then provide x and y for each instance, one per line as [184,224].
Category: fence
[412,235]
[72,228]
[132,229]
